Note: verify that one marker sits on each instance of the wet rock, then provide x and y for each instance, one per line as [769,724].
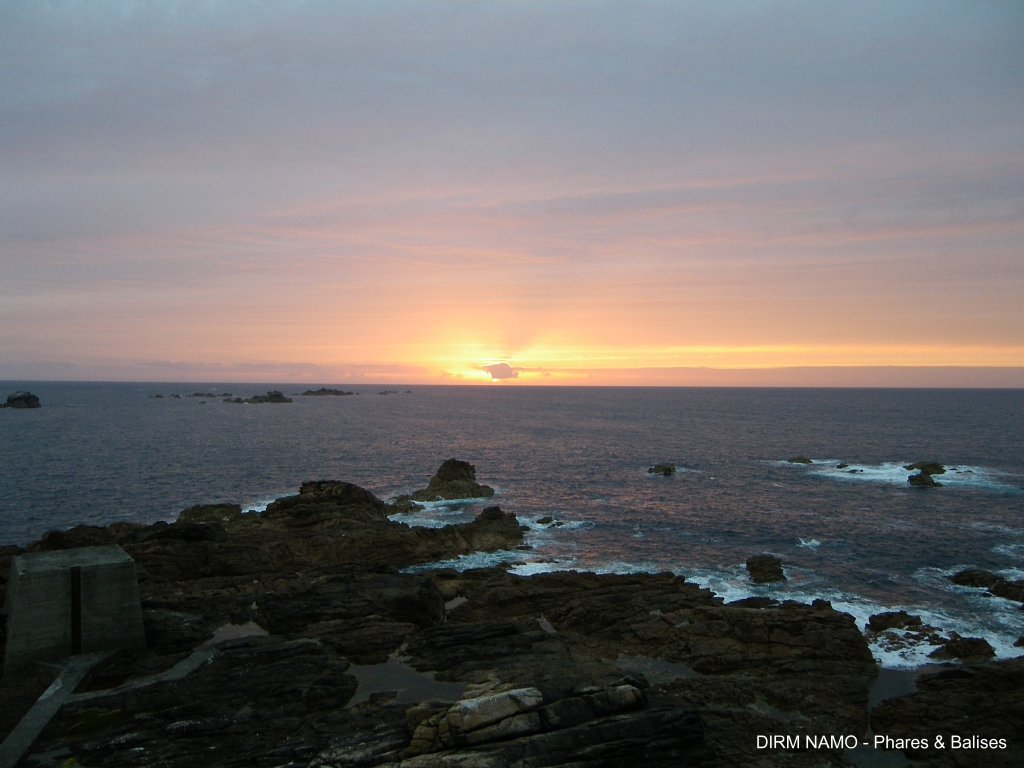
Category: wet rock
[765,569]
[964,648]
[880,622]
[975,577]
[21,399]
[662,469]
[994,584]
[799,460]
[325,392]
[923,480]
[926,467]
[454,479]
[754,602]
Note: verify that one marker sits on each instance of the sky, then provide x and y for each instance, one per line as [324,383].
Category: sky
[611,193]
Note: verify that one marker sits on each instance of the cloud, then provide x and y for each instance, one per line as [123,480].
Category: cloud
[500,371]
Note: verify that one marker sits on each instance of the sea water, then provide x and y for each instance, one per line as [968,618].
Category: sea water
[857,535]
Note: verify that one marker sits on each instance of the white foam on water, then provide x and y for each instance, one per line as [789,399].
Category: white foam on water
[473,560]
[436,514]
[261,504]
[894,473]
[1014,551]
[623,568]
[809,543]
[891,649]
[418,521]
[557,524]
[981,525]
[542,566]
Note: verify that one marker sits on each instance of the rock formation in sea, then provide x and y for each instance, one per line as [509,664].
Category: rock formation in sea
[927,467]
[923,480]
[765,569]
[454,479]
[293,637]
[923,476]
[662,469]
[991,582]
[272,396]
[21,399]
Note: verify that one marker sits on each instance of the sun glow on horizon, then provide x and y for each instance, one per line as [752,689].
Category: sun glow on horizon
[591,364]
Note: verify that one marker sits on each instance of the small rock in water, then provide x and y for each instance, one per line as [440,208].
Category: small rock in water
[765,569]
[662,469]
[964,648]
[22,400]
[454,479]
[880,622]
[923,480]
[799,460]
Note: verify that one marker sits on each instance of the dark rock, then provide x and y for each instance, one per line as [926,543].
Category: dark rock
[540,652]
[799,460]
[454,480]
[21,399]
[964,648]
[662,469]
[975,577]
[210,513]
[765,568]
[923,480]
[192,532]
[754,602]
[996,585]
[980,701]
[880,622]
[926,467]
[325,392]
[272,396]
[842,465]
[404,505]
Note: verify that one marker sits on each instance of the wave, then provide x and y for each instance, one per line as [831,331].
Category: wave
[1014,551]
[261,504]
[895,473]
[1001,625]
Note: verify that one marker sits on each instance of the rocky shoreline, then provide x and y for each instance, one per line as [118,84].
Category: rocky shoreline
[293,637]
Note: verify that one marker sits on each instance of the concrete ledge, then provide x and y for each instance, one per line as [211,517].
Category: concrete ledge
[70,602]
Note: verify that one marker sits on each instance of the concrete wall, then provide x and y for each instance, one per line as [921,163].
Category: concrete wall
[71,601]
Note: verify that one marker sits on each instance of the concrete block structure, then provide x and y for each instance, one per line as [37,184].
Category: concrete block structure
[71,601]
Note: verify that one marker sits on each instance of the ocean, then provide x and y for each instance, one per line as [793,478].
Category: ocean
[856,535]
